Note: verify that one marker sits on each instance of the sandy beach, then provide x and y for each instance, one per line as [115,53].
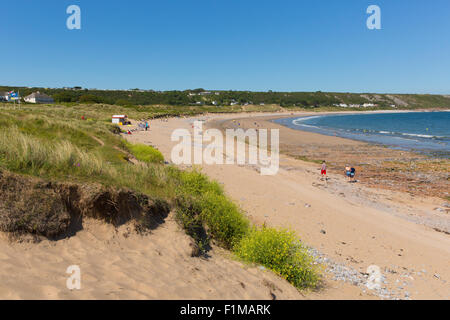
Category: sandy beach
[119,264]
[350,226]
[243,158]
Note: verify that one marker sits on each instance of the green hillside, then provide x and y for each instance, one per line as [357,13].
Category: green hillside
[134,97]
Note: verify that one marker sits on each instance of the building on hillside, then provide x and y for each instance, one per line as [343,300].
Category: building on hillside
[37,97]
[4,96]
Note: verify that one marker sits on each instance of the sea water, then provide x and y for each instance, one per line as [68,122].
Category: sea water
[426,132]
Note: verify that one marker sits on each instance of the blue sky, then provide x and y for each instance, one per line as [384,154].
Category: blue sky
[284,45]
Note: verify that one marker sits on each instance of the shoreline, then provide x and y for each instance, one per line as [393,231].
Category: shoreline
[379,166]
[423,143]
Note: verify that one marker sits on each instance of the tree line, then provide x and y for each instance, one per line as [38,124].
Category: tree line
[135,97]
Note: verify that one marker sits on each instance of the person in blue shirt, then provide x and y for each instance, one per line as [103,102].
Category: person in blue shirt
[352,174]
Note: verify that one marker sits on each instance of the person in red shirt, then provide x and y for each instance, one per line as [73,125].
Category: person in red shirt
[323,171]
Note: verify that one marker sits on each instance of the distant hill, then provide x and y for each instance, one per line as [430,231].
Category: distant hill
[221,98]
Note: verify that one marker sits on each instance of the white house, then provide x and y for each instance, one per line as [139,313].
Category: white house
[4,96]
[37,97]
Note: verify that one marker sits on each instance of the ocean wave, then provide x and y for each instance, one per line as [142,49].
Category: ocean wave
[417,135]
[422,135]
[296,121]
[308,126]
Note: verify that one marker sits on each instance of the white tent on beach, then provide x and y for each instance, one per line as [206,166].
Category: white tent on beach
[119,119]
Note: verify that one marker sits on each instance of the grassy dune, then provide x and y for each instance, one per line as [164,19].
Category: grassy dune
[79,144]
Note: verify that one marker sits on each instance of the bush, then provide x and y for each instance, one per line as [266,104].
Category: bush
[197,184]
[204,211]
[202,203]
[280,251]
[226,223]
[90,98]
[187,214]
[64,97]
[124,103]
[145,153]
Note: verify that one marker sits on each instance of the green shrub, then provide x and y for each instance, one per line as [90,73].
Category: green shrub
[203,203]
[145,153]
[187,214]
[90,98]
[280,251]
[226,223]
[197,184]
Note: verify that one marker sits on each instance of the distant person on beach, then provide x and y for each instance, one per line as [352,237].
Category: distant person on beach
[146,125]
[348,172]
[352,174]
[323,171]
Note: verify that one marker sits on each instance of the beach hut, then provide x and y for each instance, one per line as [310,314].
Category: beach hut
[120,119]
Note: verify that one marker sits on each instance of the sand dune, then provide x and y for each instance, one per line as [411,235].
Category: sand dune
[118,264]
